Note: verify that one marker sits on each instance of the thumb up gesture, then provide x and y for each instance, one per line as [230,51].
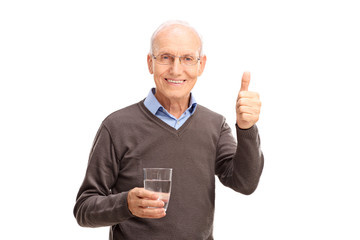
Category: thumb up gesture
[247,105]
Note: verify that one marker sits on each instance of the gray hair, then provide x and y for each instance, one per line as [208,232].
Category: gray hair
[175,22]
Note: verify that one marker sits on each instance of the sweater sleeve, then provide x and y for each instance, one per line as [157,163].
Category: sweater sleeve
[96,206]
[239,165]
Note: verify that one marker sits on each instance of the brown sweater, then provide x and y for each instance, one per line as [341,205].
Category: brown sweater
[132,139]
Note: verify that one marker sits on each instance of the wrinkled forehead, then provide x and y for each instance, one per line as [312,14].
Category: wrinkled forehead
[176,51]
[177,40]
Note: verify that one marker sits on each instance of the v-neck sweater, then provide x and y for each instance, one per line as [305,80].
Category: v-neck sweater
[132,138]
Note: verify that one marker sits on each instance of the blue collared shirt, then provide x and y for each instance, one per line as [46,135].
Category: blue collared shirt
[155,108]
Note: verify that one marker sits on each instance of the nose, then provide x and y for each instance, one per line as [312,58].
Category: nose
[176,67]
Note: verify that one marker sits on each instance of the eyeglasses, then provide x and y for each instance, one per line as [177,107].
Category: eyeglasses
[168,59]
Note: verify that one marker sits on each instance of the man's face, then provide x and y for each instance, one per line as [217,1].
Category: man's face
[175,81]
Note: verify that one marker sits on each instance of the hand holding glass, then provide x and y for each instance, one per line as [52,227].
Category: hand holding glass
[158,180]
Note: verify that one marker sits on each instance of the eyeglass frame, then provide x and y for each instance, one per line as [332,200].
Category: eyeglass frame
[197,60]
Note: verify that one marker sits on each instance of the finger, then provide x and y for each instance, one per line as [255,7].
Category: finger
[146,212]
[151,212]
[248,94]
[151,203]
[143,193]
[247,120]
[249,102]
[245,81]
[246,116]
[248,110]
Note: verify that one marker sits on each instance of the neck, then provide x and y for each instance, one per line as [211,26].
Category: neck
[175,107]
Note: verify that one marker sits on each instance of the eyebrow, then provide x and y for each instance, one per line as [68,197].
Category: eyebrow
[167,53]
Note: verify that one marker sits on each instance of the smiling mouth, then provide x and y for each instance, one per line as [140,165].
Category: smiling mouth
[175,81]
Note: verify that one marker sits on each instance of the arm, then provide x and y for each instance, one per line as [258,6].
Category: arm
[95,205]
[242,170]
[239,166]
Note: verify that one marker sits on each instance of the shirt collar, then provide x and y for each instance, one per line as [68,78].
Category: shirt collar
[192,105]
[153,104]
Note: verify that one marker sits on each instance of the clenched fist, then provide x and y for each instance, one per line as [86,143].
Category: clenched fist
[248,105]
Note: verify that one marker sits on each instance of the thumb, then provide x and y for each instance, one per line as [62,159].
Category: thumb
[245,81]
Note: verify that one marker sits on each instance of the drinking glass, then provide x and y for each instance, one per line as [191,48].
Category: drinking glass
[158,180]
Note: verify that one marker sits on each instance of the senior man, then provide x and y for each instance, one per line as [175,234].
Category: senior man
[168,129]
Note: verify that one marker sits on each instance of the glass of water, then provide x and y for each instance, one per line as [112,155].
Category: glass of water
[158,180]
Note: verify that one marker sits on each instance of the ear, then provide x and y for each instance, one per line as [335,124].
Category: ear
[202,65]
[150,63]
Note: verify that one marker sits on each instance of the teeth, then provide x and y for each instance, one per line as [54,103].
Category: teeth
[174,81]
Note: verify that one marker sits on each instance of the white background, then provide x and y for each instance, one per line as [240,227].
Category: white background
[65,65]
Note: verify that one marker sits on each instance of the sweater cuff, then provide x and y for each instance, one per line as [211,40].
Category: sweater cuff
[248,133]
[124,210]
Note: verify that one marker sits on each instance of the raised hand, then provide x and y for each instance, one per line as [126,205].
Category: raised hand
[248,105]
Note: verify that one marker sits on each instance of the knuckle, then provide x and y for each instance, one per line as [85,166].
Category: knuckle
[134,191]
[141,212]
[142,203]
